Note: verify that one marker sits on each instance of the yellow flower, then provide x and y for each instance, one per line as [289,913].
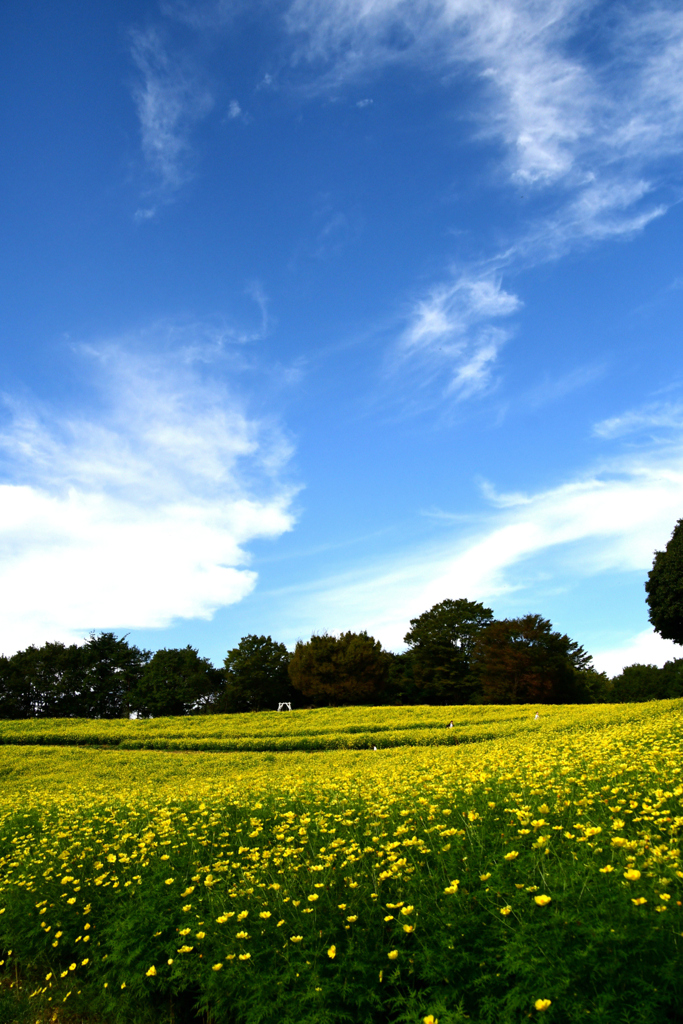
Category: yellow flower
[542,1004]
[407,910]
[453,887]
[242,935]
[393,955]
[123,984]
[188,892]
[245,956]
[169,881]
[72,900]
[632,874]
[607,868]
[185,931]
[352,918]
[430,1019]
[313,897]
[332,952]
[389,917]
[170,961]
[151,973]
[485,878]
[86,961]
[201,935]
[408,928]
[217,967]
[511,855]
[295,938]
[342,906]
[505,911]
[265,914]
[542,901]
[639,902]
[242,914]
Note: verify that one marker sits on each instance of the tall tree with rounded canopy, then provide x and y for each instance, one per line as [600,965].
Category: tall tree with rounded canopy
[349,669]
[523,661]
[256,675]
[664,588]
[176,682]
[441,642]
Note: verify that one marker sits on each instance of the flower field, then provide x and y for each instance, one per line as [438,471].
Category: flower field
[531,872]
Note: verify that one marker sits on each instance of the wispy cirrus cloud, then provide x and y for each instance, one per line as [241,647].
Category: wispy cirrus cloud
[590,129]
[170,100]
[449,330]
[607,521]
[653,416]
[139,514]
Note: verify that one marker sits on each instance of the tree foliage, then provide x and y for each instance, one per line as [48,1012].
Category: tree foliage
[664,588]
[93,680]
[441,642]
[176,682]
[256,675]
[649,682]
[522,661]
[349,669]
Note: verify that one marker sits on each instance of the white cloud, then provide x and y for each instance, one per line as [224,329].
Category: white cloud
[169,102]
[606,521]
[447,330]
[234,110]
[138,515]
[646,648]
[589,125]
[656,415]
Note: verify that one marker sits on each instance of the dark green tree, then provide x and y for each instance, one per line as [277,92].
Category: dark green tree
[92,680]
[111,673]
[176,682]
[649,682]
[664,588]
[41,682]
[256,675]
[523,661]
[349,669]
[440,643]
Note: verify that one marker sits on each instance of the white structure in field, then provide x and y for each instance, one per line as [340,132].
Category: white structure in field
[284,705]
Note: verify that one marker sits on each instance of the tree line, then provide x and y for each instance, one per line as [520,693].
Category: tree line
[456,653]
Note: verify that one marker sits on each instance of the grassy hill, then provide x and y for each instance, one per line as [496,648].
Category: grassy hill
[275,868]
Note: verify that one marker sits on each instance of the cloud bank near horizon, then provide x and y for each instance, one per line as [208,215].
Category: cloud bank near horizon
[139,514]
[609,521]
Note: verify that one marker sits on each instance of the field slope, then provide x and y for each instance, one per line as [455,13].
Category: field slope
[277,869]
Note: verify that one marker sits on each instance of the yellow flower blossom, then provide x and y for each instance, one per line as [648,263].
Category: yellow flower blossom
[151,972]
[542,901]
[542,1004]
[511,855]
[393,954]
[332,952]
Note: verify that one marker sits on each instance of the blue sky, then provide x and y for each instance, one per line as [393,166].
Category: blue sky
[317,312]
